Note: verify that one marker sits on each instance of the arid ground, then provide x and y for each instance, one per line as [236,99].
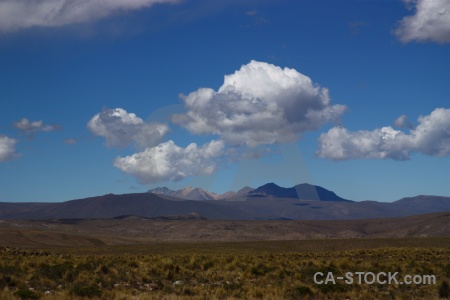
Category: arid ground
[138,258]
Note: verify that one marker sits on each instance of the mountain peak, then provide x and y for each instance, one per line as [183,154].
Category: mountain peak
[244,190]
[190,193]
[162,191]
[270,185]
[303,191]
[274,190]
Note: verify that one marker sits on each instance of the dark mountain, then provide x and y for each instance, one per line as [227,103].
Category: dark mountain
[424,203]
[293,209]
[301,192]
[273,190]
[314,192]
[110,206]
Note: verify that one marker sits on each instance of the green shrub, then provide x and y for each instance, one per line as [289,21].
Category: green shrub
[55,272]
[330,288]
[447,270]
[104,269]
[26,294]
[260,270]
[7,281]
[444,290]
[299,292]
[86,290]
[11,270]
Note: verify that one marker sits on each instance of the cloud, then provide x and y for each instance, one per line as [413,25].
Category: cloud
[430,23]
[120,129]
[7,148]
[21,14]
[168,161]
[430,137]
[70,141]
[259,104]
[356,26]
[29,129]
[403,122]
[257,19]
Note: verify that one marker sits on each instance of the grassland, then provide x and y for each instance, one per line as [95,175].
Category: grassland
[225,270]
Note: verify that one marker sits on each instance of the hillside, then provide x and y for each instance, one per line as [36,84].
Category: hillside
[110,206]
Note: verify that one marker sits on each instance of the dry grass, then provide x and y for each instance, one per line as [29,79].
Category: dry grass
[258,270]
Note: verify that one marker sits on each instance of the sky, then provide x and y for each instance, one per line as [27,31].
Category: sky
[107,96]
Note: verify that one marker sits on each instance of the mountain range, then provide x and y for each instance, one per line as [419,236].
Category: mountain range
[267,202]
[191,193]
[301,192]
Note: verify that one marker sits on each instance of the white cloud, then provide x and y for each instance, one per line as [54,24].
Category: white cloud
[120,129]
[430,137]
[259,104]
[20,14]
[29,128]
[430,23]
[168,161]
[7,148]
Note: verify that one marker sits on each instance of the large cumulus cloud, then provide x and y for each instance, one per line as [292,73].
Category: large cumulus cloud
[7,148]
[120,129]
[168,161]
[430,23]
[430,137]
[259,104]
[20,14]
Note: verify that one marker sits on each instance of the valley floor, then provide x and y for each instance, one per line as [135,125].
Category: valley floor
[136,230]
[138,258]
[226,270]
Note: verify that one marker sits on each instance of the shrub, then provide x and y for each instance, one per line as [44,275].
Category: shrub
[7,281]
[330,288]
[55,272]
[261,270]
[84,290]
[447,270]
[26,294]
[299,292]
[444,290]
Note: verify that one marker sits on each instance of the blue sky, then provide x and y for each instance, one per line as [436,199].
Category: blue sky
[105,97]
